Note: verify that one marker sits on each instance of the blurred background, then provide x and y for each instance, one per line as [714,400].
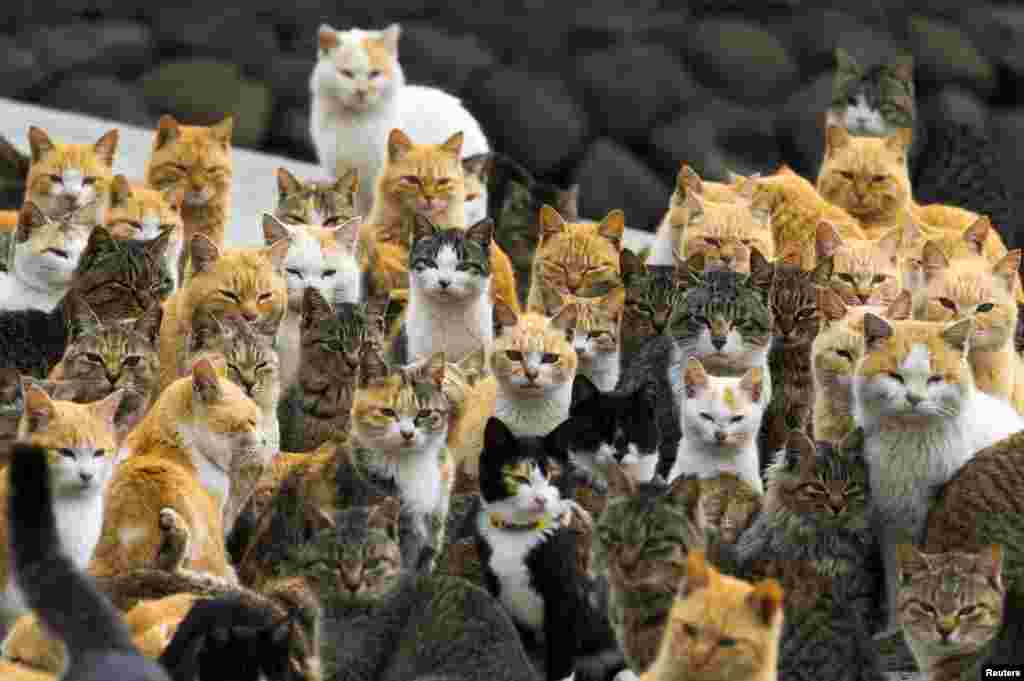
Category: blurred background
[613,95]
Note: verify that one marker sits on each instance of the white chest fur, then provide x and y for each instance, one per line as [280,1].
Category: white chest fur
[457,329]
[709,462]
[288,343]
[508,563]
[16,295]
[419,479]
[534,416]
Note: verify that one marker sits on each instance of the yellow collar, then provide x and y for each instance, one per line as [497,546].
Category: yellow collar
[502,524]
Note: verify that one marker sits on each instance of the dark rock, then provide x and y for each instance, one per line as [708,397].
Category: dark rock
[611,176]
[999,33]
[102,96]
[945,54]
[433,56]
[19,70]
[289,77]
[956,105]
[235,34]
[800,125]
[814,35]
[109,45]
[632,85]
[743,59]
[531,117]
[1008,136]
[523,32]
[291,131]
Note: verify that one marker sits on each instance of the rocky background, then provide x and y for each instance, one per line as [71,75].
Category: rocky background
[613,95]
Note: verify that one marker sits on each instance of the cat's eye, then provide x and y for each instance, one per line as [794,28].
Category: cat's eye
[294,272]
[263,297]
[251,423]
[348,73]
[514,355]
[894,376]
[713,242]
[845,354]
[851,101]
[690,629]
[806,313]
[56,178]
[89,181]
[847,277]
[423,413]
[985,307]
[846,174]
[166,228]
[878,278]
[410,179]
[390,413]
[968,610]
[726,642]
[93,357]
[548,358]
[261,365]
[948,304]
[878,178]
[230,295]
[735,419]
[443,182]
[375,73]
[99,453]
[131,361]
[935,379]
[330,273]
[707,417]
[68,453]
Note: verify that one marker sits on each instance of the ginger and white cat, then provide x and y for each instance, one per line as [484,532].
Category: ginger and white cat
[721,418]
[142,214]
[597,333]
[360,95]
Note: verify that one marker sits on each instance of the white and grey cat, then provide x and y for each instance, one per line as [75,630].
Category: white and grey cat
[360,95]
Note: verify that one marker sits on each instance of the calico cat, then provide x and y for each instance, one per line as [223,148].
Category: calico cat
[719,621]
[534,365]
[923,418]
[245,282]
[65,178]
[596,333]
[652,292]
[317,407]
[449,308]
[579,258]
[952,609]
[639,543]
[814,534]
[528,555]
[721,418]
[98,643]
[323,204]
[81,448]
[863,270]
[195,160]
[142,214]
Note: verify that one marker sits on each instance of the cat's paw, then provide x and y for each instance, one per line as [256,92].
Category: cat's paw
[626,674]
[173,551]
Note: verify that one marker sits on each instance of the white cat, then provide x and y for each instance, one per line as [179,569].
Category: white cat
[923,418]
[360,95]
[721,417]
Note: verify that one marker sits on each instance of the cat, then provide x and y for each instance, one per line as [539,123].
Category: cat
[652,292]
[195,160]
[721,418]
[449,308]
[81,449]
[835,353]
[534,365]
[814,534]
[180,457]
[477,170]
[862,269]
[317,407]
[639,542]
[596,333]
[65,178]
[579,258]
[528,554]
[319,203]
[720,627]
[923,418]
[950,164]
[971,286]
[359,95]
[245,282]
[140,213]
[98,643]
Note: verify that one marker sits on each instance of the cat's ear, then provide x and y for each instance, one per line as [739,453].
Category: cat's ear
[504,316]
[801,450]
[434,368]
[277,252]
[106,409]
[346,234]
[30,218]
[390,36]
[908,561]
[167,130]
[630,264]
[79,316]
[900,140]
[933,259]
[100,240]
[977,233]
[689,272]
[223,130]
[453,145]
[384,516]
[553,301]
[568,201]
[762,272]
[836,138]
[551,223]
[106,146]
[314,308]
[698,573]
[687,180]
[990,565]
[620,483]
[39,408]
[348,183]
[583,390]
[473,366]
[766,601]
[482,233]
[120,191]
[1007,268]
[39,143]
[287,183]
[822,273]
[422,228]
[399,145]
[372,369]
[206,381]
[901,308]
[481,165]
[958,334]
[695,378]
[326,38]
[203,253]
[148,325]
[497,435]
[902,67]
[889,245]
[826,240]
[752,383]
[565,319]
[876,329]
[156,247]
[685,491]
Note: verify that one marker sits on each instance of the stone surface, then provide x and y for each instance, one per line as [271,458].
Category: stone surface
[611,176]
[944,53]
[19,69]
[999,34]
[533,117]
[235,34]
[1008,134]
[102,96]
[291,131]
[958,105]
[289,78]
[813,36]
[433,56]
[800,126]
[111,45]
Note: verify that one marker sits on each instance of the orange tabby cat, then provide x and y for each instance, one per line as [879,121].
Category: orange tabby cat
[236,282]
[863,269]
[65,177]
[197,160]
[139,213]
[720,628]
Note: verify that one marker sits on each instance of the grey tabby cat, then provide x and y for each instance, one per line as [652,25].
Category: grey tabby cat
[652,291]
[325,204]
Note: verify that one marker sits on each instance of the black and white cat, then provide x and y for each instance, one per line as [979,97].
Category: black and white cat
[528,554]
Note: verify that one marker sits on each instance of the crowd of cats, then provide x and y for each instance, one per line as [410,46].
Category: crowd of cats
[440,427]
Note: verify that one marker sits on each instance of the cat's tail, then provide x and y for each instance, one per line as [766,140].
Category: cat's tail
[62,596]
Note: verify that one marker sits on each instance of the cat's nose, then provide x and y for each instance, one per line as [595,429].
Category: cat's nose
[914,399]
[718,342]
[946,626]
[531,374]
[540,503]
[86,477]
[720,436]
[408,435]
[444,283]
[250,315]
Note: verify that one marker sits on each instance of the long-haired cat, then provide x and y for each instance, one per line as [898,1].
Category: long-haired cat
[65,178]
[196,160]
[359,95]
[814,534]
[720,627]
[236,282]
[528,553]
[98,643]
[923,418]
[579,258]
[81,449]
[322,203]
[141,214]
[596,334]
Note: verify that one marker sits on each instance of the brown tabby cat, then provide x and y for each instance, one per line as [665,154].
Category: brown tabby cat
[140,213]
[324,204]
[65,177]
[197,160]
[720,628]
